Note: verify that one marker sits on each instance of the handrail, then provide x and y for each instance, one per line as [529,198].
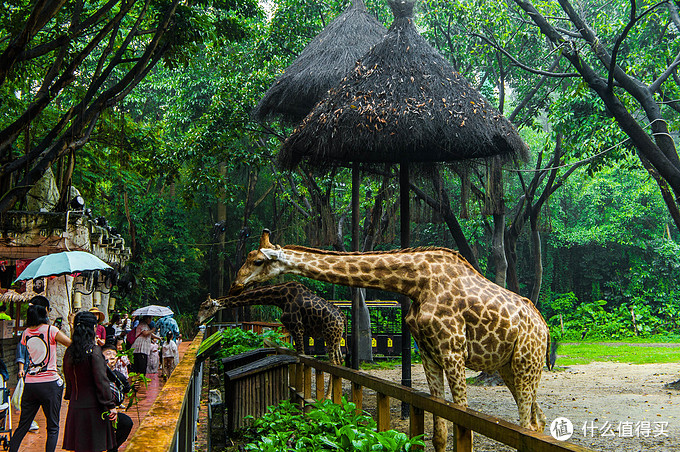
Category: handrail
[171,422]
[492,427]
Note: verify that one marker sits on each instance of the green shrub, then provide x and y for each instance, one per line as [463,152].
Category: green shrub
[327,427]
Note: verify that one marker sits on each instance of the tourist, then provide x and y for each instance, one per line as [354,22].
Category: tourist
[124,425]
[170,355]
[3,313]
[141,345]
[91,408]
[168,323]
[100,330]
[152,365]
[43,386]
[112,331]
[126,324]
[123,363]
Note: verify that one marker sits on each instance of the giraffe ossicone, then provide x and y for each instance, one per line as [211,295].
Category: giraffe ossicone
[458,317]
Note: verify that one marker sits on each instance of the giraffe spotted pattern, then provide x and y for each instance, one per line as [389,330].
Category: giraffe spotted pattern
[458,318]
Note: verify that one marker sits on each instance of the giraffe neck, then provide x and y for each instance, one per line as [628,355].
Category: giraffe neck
[403,271]
[268,295]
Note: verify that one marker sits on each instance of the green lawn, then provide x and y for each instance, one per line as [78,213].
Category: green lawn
[625,352]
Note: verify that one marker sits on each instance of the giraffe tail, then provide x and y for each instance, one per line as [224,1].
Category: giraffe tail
[551,353]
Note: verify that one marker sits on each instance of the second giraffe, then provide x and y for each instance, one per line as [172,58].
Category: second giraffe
[304,314]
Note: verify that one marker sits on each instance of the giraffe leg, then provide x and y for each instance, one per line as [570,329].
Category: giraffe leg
[435,380]
[299,340]
[454,366]
[526,376]
[509,379]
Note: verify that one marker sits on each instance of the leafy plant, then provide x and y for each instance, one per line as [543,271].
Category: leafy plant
[235,341]
[327,427]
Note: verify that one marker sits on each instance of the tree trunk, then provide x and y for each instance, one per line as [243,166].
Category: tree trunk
[498,248]
[538,260]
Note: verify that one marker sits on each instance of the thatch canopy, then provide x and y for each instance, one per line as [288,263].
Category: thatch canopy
[328,58]
[402,103]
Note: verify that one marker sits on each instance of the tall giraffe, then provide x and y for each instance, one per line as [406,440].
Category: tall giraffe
[304,314]
[458,318]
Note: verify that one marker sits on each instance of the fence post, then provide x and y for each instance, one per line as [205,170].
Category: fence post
[319,384]
[308,382]
[383,412]
[358,396]
[462,439]
[417,425]
[336,384]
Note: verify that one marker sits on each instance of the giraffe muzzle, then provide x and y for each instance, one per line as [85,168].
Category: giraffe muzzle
[236,289]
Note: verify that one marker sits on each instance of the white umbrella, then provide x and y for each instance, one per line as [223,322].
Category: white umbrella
[153,310]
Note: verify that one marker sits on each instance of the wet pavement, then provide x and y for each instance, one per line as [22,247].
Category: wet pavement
[35,442]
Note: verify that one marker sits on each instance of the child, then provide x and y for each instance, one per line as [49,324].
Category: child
[152,364]
[123,362]
[170,355]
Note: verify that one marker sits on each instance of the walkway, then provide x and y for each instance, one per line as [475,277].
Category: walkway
[35,442]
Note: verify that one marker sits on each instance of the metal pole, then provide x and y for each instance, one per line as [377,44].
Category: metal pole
[355,247]
[404,300]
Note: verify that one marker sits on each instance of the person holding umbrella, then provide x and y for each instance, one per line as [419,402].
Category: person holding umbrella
[141,345]
[43,385]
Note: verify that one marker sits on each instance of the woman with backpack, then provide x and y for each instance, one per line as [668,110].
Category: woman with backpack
[43,386]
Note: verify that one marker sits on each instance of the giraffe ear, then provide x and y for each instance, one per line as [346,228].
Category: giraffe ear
[271,254]
[264,239]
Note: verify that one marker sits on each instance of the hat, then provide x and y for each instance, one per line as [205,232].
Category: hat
[98,313]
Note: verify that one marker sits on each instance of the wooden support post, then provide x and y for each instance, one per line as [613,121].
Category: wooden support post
[383,412]
[291,380]
[337,389]
[308,382]
[462,439]
[299,377]
[417,426]
[358,396]
[319,385]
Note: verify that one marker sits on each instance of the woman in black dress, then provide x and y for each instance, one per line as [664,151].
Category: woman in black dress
[91,408]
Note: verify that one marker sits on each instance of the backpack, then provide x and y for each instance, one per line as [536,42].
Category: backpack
[38,352]
[131,337]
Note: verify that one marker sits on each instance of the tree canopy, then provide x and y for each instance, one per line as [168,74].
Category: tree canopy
[145,107]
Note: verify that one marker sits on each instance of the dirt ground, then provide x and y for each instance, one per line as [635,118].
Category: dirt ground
[623,407]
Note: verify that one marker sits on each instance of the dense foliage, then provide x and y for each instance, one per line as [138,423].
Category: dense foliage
[326,427]
[587,228]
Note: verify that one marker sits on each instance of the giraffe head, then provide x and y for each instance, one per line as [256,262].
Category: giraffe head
[208,308]
[260,265]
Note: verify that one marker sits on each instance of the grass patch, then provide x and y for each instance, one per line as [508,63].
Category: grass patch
[380,364]
[625,352]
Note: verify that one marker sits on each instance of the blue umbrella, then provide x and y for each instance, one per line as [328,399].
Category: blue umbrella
[64,263]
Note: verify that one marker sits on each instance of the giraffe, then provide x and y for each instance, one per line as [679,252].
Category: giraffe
[458,318]
[304,314]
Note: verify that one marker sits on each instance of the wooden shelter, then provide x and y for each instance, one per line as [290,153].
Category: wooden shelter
[403,102]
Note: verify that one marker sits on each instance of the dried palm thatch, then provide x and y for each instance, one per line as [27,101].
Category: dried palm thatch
[322,64]
[402,103]
[16,297]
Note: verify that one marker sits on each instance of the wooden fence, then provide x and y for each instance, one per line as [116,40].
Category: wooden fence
[464,419]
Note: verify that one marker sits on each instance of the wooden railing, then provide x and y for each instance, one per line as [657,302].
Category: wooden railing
[420,402]
[170,424]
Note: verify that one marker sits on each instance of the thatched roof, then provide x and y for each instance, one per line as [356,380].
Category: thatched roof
[322,64]
[402,102]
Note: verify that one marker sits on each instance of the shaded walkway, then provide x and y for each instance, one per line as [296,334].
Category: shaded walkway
[35,442]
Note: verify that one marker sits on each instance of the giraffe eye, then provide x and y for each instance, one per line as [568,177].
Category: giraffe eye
[258,262]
